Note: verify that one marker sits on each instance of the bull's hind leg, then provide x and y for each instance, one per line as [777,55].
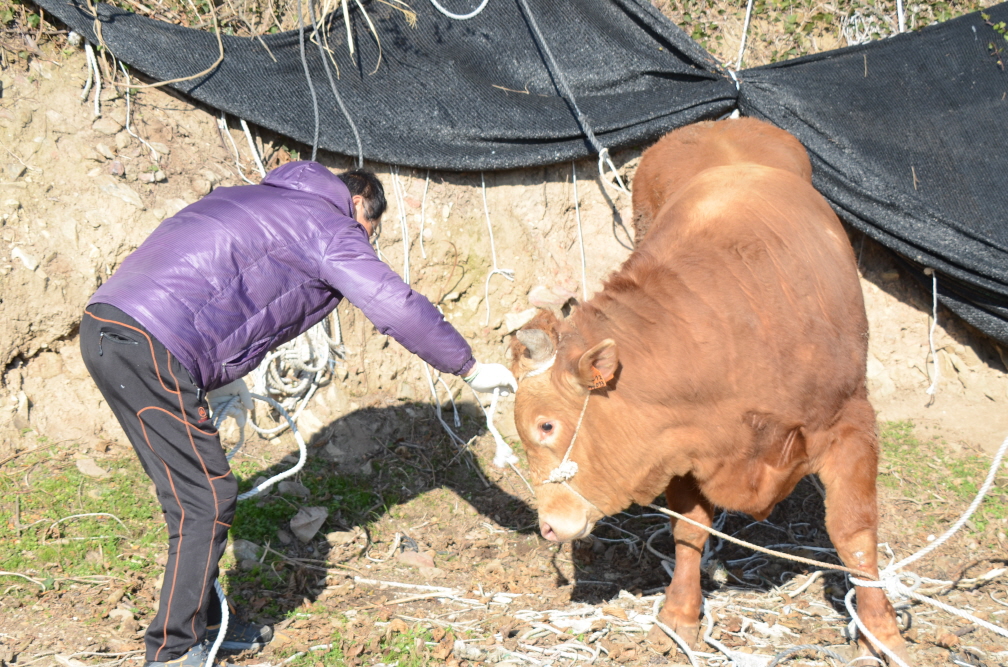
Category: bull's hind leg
[848,472]
[683,596]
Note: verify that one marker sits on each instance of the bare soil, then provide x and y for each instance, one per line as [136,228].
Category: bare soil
[79,193]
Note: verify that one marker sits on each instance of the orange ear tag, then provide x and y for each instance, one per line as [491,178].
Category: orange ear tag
[598,382]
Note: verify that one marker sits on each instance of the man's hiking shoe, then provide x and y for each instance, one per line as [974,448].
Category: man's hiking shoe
[241,636]
[194,657]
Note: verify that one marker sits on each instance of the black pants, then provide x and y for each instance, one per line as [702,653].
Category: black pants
[166,418]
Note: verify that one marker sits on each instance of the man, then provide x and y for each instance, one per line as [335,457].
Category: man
[197,306]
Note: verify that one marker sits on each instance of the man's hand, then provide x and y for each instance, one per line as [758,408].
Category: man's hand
[485,378]
[221,399]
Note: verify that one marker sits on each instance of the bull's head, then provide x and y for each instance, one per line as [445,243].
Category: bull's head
[556,371]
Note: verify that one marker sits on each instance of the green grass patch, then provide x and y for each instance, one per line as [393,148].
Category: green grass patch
[45,499]
[928,470]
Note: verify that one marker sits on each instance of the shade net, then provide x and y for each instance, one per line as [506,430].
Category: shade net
[906,135]
[907,139]
[459,95]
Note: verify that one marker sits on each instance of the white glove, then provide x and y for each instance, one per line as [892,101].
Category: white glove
[485,378]
[233,398]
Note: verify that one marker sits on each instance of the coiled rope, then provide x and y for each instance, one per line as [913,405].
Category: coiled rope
[294,371]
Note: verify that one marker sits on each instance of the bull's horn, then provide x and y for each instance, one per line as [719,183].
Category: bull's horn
[538,342]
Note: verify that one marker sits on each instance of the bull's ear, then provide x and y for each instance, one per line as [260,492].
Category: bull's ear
[597,366]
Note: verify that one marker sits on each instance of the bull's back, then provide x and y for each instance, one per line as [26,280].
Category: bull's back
[766,297]
[671,163]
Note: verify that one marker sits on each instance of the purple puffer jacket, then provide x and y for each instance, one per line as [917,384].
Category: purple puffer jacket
[248,268]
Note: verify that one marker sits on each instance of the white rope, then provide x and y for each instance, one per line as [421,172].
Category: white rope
[900,15]
[307,73]
[459,17]
[93,62]
[934,322]
[577,213]
[90,71]
[455,413]
[503,455]
[154,154]
[542,368]
[222,125]
[397,189]
[507,273]
[984,488]
[225,618]
[745,31]
[303,457]
[437,409]
[294,371]
[252,148]
[423,214]
[567,468]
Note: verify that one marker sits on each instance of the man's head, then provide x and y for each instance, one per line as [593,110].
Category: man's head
[368,198]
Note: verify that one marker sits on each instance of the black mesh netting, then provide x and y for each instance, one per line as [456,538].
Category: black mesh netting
[906,135]
[908,142]
[461,95]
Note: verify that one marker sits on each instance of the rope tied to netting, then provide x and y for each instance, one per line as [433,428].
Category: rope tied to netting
[561,83]
[459,17]
[507,273]
[934,323]
[332,83]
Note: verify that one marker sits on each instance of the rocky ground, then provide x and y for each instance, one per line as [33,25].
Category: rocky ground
[423,547]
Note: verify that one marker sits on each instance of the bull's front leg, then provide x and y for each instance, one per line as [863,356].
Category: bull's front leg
[683,596]
[848,473]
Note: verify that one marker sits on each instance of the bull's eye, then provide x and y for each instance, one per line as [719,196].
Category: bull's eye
[546,427]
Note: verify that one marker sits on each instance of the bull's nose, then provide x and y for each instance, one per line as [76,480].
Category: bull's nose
[548,533]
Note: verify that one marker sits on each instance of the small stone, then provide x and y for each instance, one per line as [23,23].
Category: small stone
[14,171]
[947,640]
[106,125]
[200,186]
[146,177]
[123,140]
[415,559]
[340,537]
[173,206]
[210,175]
[116,168]
[515,321]
[284,536]
[294,489]
[307,522]
[121,614]
[30,261]
[159,176]
[244,550]
[309,425]
[161,149]
[90,468]
[124,192]
[248,565]
[105,151]
[549,297]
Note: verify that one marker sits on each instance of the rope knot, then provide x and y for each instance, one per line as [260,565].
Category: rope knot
[562,473]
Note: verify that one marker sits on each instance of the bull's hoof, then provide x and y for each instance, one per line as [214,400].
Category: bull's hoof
[688,633]
[869,656]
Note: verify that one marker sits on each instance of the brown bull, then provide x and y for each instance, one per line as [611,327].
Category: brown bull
[723,362]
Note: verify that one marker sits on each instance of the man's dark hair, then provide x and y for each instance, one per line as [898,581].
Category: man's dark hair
[367,185]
